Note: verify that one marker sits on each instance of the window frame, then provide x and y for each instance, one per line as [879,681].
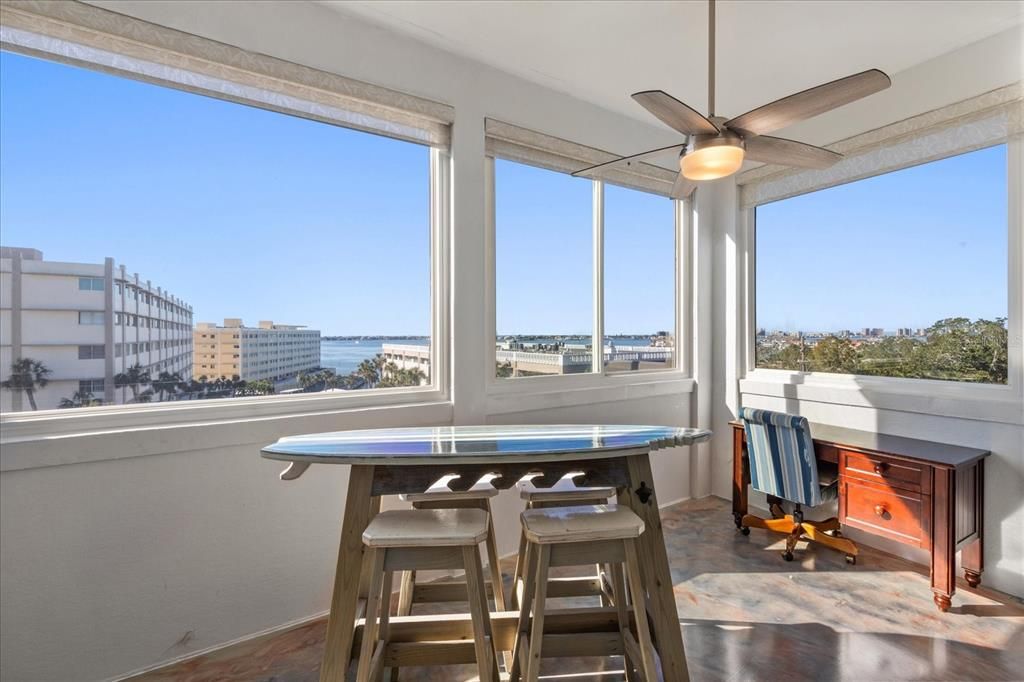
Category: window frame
[42,423]
[970,400]
[661,380]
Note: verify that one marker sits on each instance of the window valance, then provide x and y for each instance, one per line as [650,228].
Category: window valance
[511,142]
[981,121]
[76,33]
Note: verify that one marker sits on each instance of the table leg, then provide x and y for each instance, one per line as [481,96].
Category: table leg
[943,567]
[348,575]
[654,568]
[971,556]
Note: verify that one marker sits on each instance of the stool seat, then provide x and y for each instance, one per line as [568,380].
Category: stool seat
[584,523]
[563,491]
[439,491]
[427,528]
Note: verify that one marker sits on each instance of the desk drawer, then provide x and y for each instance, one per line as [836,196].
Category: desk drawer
[896,514]
[892,472]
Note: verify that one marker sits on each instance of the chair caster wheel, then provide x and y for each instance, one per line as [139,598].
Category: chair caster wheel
[837,533]
[745,530]
[788,556]
[851,559]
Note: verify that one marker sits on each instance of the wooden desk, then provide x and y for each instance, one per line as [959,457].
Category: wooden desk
[928,495]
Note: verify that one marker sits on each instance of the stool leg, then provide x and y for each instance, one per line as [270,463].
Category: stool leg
[514,600]
[406,591]
[540,596]
[519,662]
[643,630]
[619,597]
[373,599]
[483,640]
[493,563]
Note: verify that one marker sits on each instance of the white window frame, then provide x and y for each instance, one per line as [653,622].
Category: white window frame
[1000,403]
[29,425]
[654,381]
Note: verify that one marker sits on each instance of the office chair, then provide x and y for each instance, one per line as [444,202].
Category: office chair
[783,465]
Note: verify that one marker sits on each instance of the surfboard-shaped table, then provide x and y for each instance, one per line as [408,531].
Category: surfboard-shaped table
[410,460]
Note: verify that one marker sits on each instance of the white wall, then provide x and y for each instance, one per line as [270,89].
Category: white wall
[950,78]
[146,545]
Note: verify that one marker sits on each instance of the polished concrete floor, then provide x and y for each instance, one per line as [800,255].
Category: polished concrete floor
[745,615]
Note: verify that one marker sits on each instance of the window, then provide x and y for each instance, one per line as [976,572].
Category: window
[639,280]
[366,228]
[90,284]
[544,271]
[92,387]
[898,275]
[90,317]
[91,352]
[544,274]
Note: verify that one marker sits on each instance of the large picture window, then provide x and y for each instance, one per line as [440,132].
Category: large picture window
[209,249]
[898,275]
[546,227]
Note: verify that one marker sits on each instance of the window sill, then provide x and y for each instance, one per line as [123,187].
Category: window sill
[981,402]
[546,392]
[31,440]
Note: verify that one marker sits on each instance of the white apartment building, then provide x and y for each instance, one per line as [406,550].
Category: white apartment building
[86,322]
[276,352]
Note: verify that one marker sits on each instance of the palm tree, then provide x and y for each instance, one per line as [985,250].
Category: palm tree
[27,375]
[369,371]
[167,383]
[79,399]
[133,378]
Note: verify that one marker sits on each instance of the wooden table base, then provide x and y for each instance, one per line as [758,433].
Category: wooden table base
[447,639]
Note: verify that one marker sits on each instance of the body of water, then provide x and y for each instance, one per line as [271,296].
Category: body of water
[344,356]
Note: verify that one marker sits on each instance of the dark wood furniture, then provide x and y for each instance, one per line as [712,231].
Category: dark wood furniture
[919,493]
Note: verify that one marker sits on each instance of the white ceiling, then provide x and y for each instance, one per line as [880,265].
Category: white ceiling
[601,51]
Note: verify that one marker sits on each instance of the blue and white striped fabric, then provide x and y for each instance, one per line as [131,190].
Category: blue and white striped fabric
[781,453]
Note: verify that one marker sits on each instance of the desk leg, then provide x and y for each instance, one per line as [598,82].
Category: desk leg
[971,555]
[943,540]
[359,509]
[739,481]
[655,570]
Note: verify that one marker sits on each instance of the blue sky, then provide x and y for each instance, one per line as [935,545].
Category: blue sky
[904,249]
[253,214]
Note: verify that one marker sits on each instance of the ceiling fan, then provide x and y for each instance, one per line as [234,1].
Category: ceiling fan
[715,147]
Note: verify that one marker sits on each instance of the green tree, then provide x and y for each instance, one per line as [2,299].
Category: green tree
[256,387]
[503,370]
[79,399]
[27,375]
[833,354]
[167,382]
[133,378]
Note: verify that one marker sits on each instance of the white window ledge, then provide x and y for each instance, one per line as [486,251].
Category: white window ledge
[526,394]
[981,402]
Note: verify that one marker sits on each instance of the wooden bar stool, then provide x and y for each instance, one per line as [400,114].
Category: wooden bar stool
[575,536]
[563,493]
[404,540]
[440,496]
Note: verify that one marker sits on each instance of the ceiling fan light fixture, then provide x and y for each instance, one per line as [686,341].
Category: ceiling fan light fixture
[713,158]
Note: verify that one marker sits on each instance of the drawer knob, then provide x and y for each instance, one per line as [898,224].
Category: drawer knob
[880,509]
[880,467]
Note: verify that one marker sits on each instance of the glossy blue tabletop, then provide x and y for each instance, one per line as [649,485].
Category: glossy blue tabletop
[479,444]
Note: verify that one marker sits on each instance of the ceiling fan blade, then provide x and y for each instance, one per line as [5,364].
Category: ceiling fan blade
[683,187]
[768,149]
[674,113]
[811,102]
[593,171]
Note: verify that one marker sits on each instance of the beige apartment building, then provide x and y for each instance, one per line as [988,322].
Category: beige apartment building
[276,352]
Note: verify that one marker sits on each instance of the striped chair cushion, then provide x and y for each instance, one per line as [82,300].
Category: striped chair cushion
[781,452]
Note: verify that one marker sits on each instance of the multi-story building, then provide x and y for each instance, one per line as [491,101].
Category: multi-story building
[86,323]
[276,352]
